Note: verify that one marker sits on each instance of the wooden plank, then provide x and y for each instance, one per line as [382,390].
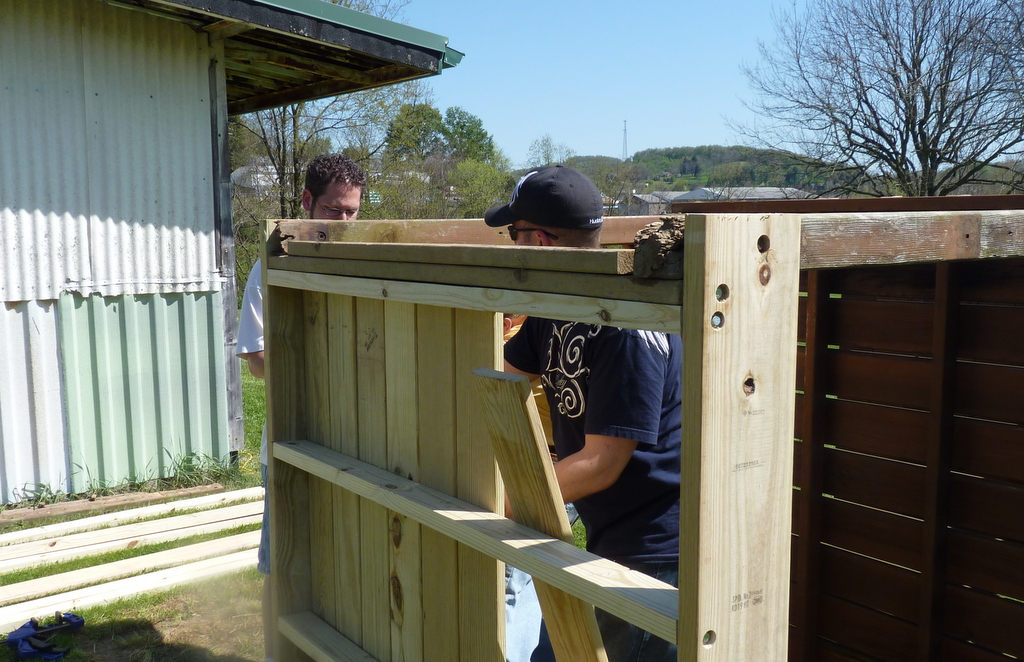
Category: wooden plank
[481,578]
[33,553]
[125,516]
[403,450]
[374,523]
[435,374]
[882,379]
[945,331]
[898,434]
[290,561]
[988,564]
[620,288]
[885,326]
[909,282]
[617,230]
[627,314]
[995,281]
[521,449]
[739,322]
[108,572]
[344,411]
[844,240]
[319,640]
[871,583]
[876,205]
[607,261]
[989,450]
[14,616]
[873,533]
[991,334]
[603,583]
[961,651]
[102,504]
[985,620]
[318,427]
[896,487]
[986,506]
[989,392]
[866,631]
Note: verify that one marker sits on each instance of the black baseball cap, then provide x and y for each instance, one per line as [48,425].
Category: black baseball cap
[551,197]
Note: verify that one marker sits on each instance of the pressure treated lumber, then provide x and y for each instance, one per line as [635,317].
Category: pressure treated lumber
[319,640]
[13,616]
[520,447]
[108,572]
[643,600]
[622,288]
[124,516]
[102,504]
[739,370]
[590,310]
[608,261]
[14,557]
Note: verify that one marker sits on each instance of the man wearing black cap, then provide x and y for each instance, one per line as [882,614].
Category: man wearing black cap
[615,397]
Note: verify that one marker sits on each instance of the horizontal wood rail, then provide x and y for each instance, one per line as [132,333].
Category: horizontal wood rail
[651,604]
[319,640]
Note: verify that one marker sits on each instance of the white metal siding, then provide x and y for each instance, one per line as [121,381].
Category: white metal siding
[32,435]
[105,153]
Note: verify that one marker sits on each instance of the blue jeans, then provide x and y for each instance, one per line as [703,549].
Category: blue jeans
[623,641]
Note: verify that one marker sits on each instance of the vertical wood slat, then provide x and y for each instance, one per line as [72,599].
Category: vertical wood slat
[808,523]
[481,581]
[403,459]
[289,494]
[374,524]
[738,395]
[344,412]
[435,375]
[520,446]
[939,459]
[318,430]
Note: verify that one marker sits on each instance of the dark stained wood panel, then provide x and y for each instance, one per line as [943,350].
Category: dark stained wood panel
[884,326]
[880,379]
[870,583]
[900,434]
[989,507]
[872,533]
[991,334]
[961,651]
[986,563]
[990,392]
[914,282]
[989,450]
[994,281]
[985,620]
[878,635]
[879,483]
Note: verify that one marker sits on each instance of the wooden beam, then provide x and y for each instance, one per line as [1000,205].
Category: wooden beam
[607,261]
[741,276]
[620,288]
[591,310]
[245,54]
[521,449]
[107,572]
[227,28]
[102,504]
[631,595]
[846,205]
[319,640]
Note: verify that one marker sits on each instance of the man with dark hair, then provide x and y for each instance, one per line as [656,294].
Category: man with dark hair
[334,190]
[615,397]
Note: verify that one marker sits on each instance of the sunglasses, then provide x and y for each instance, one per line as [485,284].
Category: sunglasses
[513,232]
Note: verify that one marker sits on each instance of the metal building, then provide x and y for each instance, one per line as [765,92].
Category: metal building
[117,293]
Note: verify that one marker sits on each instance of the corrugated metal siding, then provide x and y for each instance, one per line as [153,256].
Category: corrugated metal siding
[32,436]
[105,153]
[145,383]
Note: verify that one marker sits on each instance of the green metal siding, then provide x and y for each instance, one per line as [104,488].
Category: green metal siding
[144,383]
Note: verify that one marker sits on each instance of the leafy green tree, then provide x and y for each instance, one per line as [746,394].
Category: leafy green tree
[414,134]
[465,137]
[545,151]
[479,185]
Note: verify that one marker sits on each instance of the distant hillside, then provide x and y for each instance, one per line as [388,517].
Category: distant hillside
[684,168]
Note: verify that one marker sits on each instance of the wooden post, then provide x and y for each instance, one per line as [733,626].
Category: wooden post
[521,449]
[739,322]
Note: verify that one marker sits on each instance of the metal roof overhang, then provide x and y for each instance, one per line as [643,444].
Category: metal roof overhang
[285,51]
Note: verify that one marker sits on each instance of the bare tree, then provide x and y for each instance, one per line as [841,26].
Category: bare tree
[895,97]
[545,151]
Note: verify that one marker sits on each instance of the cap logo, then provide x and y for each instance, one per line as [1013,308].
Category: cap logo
[515,191]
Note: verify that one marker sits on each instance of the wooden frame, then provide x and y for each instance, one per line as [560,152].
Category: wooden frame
[368,388]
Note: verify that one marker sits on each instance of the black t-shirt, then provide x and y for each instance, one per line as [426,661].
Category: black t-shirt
[620,383]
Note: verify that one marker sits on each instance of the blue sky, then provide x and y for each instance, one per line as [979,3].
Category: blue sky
[576,69]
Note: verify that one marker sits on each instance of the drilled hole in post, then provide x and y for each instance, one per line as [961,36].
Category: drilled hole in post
[717,320]
[709,638]
[763,243]
[722,292]
[748,386]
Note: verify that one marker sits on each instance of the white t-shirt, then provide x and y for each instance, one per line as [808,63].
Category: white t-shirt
[250,328]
